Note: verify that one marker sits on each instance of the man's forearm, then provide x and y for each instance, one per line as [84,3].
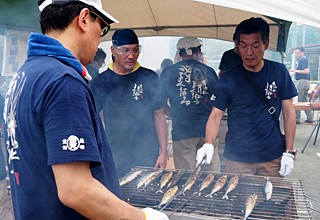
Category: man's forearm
[305,71]
[101,204]
[290,131]
[162,130]
[213,125]
[77,189]
[289,119]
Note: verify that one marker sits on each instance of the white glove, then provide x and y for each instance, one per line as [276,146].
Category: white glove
[152,214]
[205,151]
[286,164]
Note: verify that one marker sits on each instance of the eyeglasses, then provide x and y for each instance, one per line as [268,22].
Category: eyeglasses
[105,27]
[126,52]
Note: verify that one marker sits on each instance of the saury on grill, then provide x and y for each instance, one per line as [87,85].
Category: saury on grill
[288,198]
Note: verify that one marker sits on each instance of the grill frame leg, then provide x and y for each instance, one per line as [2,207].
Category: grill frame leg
[315,139]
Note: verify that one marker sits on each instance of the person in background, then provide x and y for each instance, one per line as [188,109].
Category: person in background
[188,86]
[97,63]
[302,75]
[133,107]
[315,98]
[254,144]
[203,58]
[6,211]
[166,62]
[230,58]
[60,163]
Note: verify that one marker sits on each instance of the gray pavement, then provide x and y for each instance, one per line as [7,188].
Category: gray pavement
[307,164]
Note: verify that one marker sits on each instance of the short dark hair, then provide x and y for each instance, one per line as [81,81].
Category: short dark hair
[100,55]
[59,17]
[183,52]
[250,26]
[166,62]
[301,49]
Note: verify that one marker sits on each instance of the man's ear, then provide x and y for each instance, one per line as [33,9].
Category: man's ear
[113,50]
[83,19]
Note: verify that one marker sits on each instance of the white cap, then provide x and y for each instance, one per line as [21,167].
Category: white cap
[186,43]
[94,3]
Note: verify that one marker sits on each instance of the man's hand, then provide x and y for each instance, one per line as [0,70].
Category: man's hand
[286,164]
[152,214]
[205,151]
[161,161]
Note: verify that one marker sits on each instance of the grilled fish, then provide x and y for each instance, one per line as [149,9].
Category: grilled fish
[268,189]
[148,178]
[168,196]
[175,179]
[206,182]
[250,204]
[130,177]
[218,185]
[190,182]
[164,180]
[231,186]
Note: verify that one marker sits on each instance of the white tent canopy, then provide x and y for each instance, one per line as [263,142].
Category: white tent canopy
[187,18]
[300,11]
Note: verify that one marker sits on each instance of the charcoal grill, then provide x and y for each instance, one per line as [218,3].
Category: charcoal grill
[288,199]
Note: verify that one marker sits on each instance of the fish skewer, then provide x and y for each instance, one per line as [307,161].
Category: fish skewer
[231,186]
[190,182]
[218,185]
[175,179]
[164,180]
[169,195]
[206,182]
[268,188]
[249,205]
[194,176]
[130,177]
[148,178]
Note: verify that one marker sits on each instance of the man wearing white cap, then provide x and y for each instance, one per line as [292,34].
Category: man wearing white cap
[60,163]
[188,85]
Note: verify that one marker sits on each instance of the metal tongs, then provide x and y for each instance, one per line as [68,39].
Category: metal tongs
[197,169]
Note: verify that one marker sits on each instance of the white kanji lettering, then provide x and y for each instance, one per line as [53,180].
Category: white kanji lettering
[271,90]
[137,92]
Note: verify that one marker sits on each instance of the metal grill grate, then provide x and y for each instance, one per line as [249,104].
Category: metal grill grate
[288,199]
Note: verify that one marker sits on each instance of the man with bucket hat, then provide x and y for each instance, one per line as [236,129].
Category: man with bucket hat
[60,163]
[188,85]
[133,107]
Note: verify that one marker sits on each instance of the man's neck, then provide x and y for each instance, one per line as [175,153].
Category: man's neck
[256,68]
[120,71]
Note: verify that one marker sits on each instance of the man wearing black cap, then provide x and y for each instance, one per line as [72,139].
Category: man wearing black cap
[60,163]
[133,107]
